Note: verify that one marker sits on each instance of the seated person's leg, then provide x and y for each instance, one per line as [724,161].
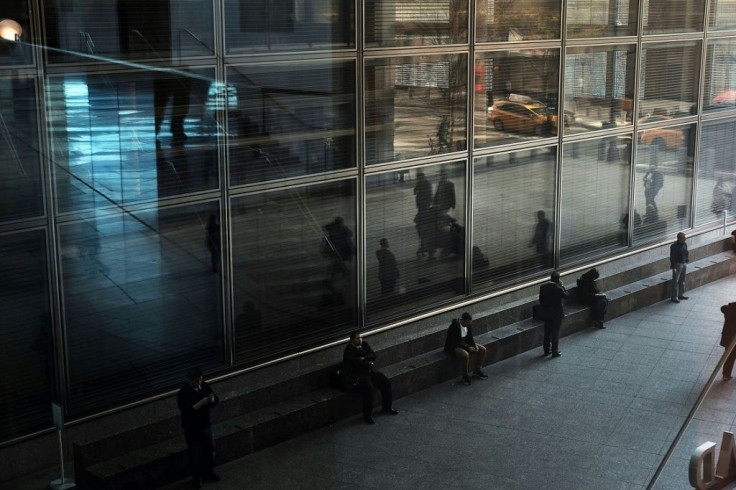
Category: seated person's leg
[464,358]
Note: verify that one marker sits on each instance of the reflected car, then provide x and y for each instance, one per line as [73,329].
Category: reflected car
[519,117]
[661,137]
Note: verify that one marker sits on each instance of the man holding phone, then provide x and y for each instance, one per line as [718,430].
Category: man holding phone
[195,399]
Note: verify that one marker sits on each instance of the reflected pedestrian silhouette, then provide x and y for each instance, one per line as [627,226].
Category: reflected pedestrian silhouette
[388,270]
[444,196]
[541,238]
[422,192]
[338,247]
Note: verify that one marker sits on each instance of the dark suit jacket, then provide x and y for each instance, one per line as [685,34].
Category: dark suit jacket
[729,324]
[353,365]
[454,339]
[195,421]
[551,295]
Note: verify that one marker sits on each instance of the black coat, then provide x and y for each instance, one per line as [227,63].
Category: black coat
[587,289]
[551,295]
[195,421]
[358,360]
[454,338]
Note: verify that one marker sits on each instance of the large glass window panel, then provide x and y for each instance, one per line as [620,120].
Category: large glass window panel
[720,75]
[595,196]
[665,16]
[25,332]
[669,79]
[663,181]
[290,119]
[415,22]
[255,25]
[513,215]
[142,301]
[126,137]
[722,15]
[601,18]
[415,106]
[15,33]
[21,193]
[716,172]
[420,213]
[128,29]
[517,20]
[599,87]
[294,268]
[516,96]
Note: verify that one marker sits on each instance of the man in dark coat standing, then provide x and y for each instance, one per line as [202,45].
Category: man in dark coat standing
[679,257]
[461,344]
[551,295]
[195,399]
[358,361]
[727,336]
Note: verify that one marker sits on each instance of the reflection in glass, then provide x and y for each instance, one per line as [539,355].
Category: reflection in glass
[513,212]
[716,172]
[20,179]
[663,182]
[294,269]
[517,20]
[25,332]
[520,102]
[128,29]
[666,16]
[415,106]
[421,214]
[599,87]
[416,22]
[255,25]
[595,193]
[601,18]
[141,301]
[669,83]
[129,137]
[290,119]
[15,33]
[720,75]
[722,15]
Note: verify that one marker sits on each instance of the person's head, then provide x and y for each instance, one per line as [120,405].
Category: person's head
[681,237]
[443,174]
[339,220]
[594,274]
[420,175]
[384,243]
[356,338]
[555,277]
[466,319]
[194,376]
[541,215]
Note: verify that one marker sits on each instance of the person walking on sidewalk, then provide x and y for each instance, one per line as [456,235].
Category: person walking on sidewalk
[358,359]
[551,294]
[460,344]
[678,263]
[727,336]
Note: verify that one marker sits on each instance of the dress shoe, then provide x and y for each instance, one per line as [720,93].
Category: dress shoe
[683,297]
[556,354]
[466,380]
[546,353]
[211,477]
[675,300]
[479,374]
[391,411]
[369,420]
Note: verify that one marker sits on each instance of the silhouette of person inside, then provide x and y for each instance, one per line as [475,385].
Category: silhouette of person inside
[444,196]
[213,241]
[443,131]
[177,89]
[338,246]
[722,196]
[388,270]
[653,183]
[422,192]
[541,238]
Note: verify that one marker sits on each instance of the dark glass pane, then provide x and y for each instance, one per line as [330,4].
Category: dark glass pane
[27,358]
[129,29]
[117,139]
[517,20]
[669,81]
[415,106]
[663,184]
[516,96]
[21,193]
[15,33]
[666,16]
[716,172]
[290,119]
[415,22]
[513,212]
[141,301]
[599,87]
[254,25]
[421,215]
[720,76]
[601,18]
[595,196]
[294,269]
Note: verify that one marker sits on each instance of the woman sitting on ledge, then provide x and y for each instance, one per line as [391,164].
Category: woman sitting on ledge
[589,294]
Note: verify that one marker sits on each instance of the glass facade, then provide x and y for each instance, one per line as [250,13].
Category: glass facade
[228,182]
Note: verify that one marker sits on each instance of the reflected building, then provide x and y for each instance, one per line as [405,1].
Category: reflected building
[129,128]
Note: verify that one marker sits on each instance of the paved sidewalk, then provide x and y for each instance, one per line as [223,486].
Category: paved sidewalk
[601,416]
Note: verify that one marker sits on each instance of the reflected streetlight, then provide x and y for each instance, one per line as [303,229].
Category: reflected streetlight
[10,30]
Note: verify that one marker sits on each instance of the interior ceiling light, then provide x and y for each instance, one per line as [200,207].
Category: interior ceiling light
[10,30]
